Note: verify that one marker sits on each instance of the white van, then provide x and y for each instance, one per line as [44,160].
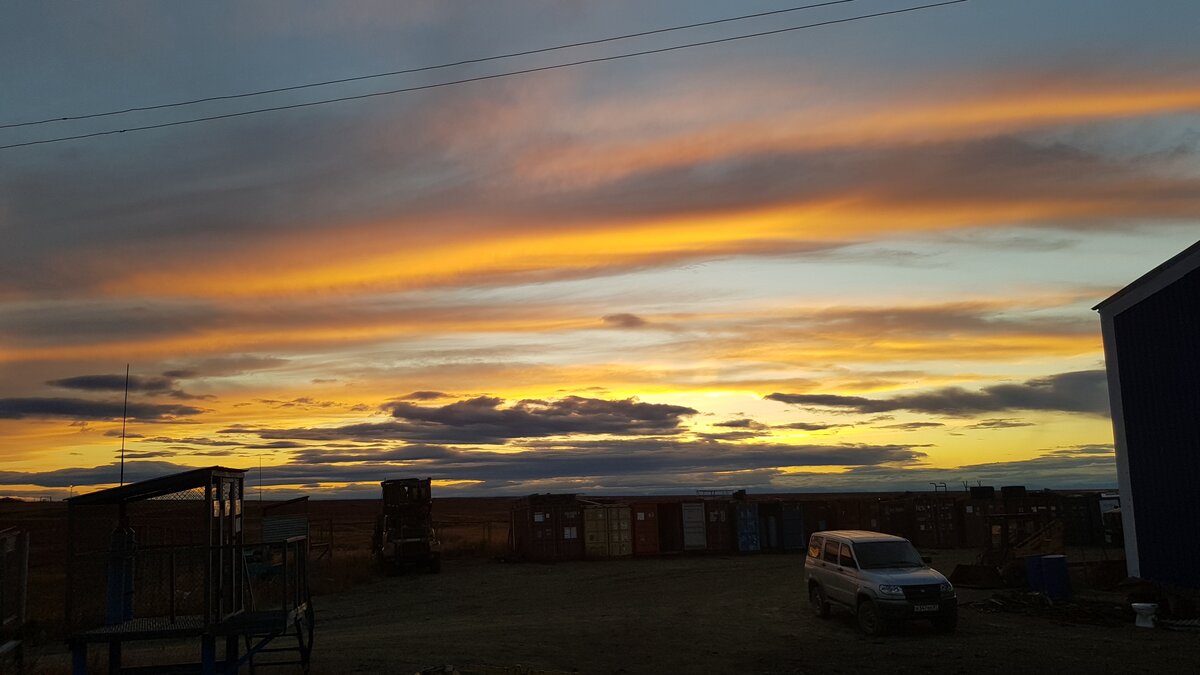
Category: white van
[879,577]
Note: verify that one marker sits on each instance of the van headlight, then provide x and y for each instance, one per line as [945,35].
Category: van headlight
[947,588]
[889,589]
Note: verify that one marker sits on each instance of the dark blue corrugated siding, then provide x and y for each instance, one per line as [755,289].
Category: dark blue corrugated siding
[1158,353]
[794,538]
[747,527]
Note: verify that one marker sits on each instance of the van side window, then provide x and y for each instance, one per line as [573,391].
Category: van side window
[847,556]
[814,546]
[831,551]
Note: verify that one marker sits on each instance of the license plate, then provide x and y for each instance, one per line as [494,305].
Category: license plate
[925,608]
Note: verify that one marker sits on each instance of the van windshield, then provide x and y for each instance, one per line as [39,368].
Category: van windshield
[882,554]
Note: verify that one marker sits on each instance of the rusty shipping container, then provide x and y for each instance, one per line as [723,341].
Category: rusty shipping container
[547,527]
[899,517]
[695,529]
[938,521]
[816,515]
[976,530]
[1081,519]
[855,513]
[606,531]
[670,527]
[644,525]
[720,525]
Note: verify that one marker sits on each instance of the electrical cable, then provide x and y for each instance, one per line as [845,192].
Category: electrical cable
[481,78]
[420,69]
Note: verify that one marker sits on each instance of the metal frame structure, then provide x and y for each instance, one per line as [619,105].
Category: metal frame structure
[165,558]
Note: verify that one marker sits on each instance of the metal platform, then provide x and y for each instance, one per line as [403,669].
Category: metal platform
[145,628]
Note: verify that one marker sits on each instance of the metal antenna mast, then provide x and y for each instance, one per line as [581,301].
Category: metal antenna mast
[124,413]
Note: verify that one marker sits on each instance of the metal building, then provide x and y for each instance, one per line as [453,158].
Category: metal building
[1152,350]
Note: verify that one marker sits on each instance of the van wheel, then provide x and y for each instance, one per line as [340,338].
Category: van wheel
[818,601]
[869,621]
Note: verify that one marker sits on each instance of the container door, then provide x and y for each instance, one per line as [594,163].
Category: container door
[595,532]
[670,528]
[747,528]
[570,533]
[720,526]
[793,528]
[645,529]
[620,538]
[695,531]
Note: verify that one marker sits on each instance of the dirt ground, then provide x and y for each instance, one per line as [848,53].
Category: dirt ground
[692,615]
[709,614]
[702,614]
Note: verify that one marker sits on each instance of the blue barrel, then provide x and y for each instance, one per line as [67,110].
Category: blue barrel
[1056,582]
[1034,575]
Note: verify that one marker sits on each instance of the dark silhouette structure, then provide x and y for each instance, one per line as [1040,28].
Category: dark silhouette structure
[166,559]
[14,579]
[404,533]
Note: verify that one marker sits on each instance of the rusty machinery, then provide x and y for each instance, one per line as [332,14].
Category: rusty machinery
[1013,536]
[404,534]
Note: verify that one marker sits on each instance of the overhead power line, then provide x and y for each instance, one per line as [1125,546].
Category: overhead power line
[481,78]
[420,69]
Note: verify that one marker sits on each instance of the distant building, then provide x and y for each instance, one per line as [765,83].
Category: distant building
[1152,351]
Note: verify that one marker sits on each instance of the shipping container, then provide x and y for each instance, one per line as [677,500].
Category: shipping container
[976,527]
[720,525]
[644,524]
[769,523]
[983,492]
[898,516]
[670,528]
[695,528]
[847,515]
[1081,519]
[855,513]
[747,527]
[793,533]
[606,531]
[547,527]
[816,515]
[938,522]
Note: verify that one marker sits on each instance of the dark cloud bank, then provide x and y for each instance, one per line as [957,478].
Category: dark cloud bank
[1083,392]
[482,420]
[83,409]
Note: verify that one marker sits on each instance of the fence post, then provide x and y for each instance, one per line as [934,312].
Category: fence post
[172,585]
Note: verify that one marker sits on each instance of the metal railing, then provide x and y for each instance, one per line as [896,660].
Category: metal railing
[148,588]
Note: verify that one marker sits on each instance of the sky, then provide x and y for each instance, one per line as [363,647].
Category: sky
[857,256]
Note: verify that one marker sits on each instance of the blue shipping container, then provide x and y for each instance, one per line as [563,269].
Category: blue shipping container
[747,527]
[794,538]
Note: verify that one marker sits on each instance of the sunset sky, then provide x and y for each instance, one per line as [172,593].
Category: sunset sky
[859,256]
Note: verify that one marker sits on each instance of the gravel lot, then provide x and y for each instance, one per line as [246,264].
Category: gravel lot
[692,615]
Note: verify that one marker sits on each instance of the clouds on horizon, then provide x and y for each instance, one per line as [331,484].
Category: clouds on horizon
[641,467]
[1084,392]
[84,409]
[488,420]
[642,457]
